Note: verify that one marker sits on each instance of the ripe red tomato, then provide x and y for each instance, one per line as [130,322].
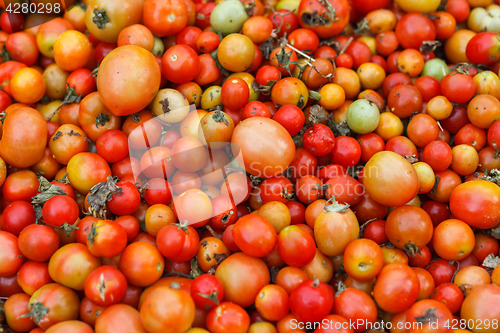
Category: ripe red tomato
[319,140]
[207,291]
[105,286]
[311,301]
[396,288]
[59,210]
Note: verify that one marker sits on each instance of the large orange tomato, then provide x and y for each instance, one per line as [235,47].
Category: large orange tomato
[165,17]
[478,307]
[266,147]
[106,18]
[390,179]
[243,277]
[477,203]
[24,137]
[126,88]
[87,169]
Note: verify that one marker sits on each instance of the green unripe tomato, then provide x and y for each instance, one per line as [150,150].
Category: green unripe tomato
[436,68]
[228,16]
[363,116]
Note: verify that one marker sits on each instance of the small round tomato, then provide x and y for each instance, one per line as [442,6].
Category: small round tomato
[106,239]
[466,199]
[363,259]
[38,242]
[105,286]
[296,246]
[311,301]
[60,210]
[207,291]
[319,140]
[396,288]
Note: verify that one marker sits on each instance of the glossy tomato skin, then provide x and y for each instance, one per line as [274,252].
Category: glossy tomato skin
[384,183]
[19,147]
[205,289]
[127,202]
[11,255]
[311,301]
[396,288]
[71,264]
[61,302]
[242,271]
[105,286]
[266,147]
[476,203]
[16,216]
[119,92]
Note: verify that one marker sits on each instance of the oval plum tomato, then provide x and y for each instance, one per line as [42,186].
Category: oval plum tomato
[19,147]
[396,288]
[319,140]
[385,184]
[207,291]
[118,86]
[296,246]
[105,286]
[335,221]
[106,239]
[254,235]
[235,93]
[476,203]
[60,210]
[266,147]
[311,301]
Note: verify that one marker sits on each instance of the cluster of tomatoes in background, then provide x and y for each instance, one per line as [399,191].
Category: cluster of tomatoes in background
[250,166]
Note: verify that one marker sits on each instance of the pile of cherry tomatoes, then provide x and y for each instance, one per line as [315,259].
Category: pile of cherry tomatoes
[172,166]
